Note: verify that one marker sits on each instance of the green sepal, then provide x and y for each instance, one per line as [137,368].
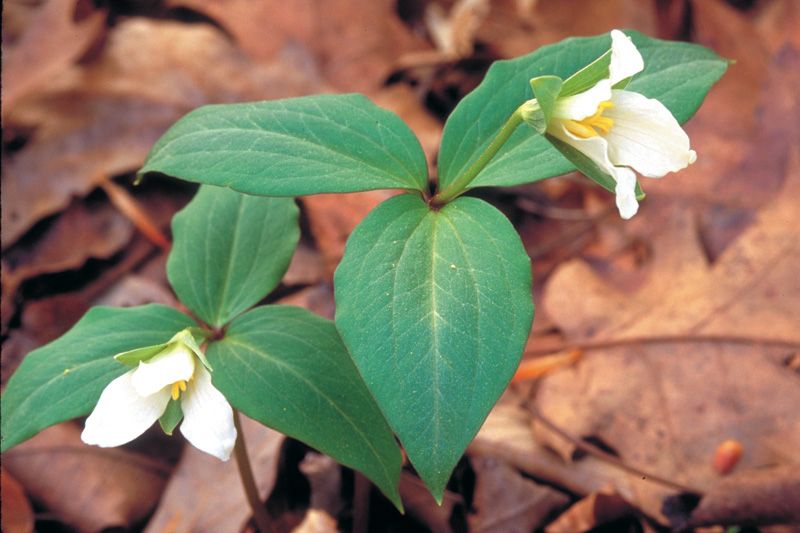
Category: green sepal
[132,358]
[171,417]
[546,89]
[588,76]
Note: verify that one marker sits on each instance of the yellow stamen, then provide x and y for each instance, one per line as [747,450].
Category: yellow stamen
[177,388]
[587,127]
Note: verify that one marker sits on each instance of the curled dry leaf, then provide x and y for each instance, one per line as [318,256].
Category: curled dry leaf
[205,494]
[453,33]
[89,488]
[596,509]
[325,476]
[506,502]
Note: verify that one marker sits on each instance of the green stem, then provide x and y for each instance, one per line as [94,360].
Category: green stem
[262,519]
[459,185]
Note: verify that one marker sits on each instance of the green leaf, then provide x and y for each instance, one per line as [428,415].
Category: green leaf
[677,74]
[546,90]
[230,250]
[171,417]
[291,147]
[435,307]
[288,369]
[64,379]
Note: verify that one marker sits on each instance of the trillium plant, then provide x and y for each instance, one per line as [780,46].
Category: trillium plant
[433,294]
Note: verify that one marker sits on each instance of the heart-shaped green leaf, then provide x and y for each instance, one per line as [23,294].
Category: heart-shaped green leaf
[230,250]
[435,307]
[64,379]
[306,145]
[677,74]
[288,368]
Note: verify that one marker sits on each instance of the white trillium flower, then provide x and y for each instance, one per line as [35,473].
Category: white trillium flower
[621,130]
[130,404]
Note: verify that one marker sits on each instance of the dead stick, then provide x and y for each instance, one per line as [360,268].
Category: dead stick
[665,339]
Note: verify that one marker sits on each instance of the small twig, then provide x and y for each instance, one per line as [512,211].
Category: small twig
[664,339]
[361,504]
[262,519]
[133,210]
[607,457]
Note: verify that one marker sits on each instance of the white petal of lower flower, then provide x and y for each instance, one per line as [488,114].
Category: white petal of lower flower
[582,105]
[175,363]
[122,414]
[646,136]
[597,148]
[625,58]
[208,417]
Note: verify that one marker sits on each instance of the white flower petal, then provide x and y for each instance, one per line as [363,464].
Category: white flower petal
[627,205]
[208,417]
[625,58]
[596,148]
[582,105]
[121,414]
[646,136]
[175,363]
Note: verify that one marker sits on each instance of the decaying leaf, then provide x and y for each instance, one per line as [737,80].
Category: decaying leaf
[89,488]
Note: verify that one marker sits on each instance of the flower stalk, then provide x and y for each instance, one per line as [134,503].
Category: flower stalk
[459,185]
[260,516]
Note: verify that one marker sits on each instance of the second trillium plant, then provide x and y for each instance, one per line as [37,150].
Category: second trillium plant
[433,295]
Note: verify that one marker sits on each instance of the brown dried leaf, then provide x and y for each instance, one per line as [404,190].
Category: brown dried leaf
[100,119]
[17,513]
[756,497]
[596,509]
[49,43]
[205,494]
[504,501]
[332,217]
[548,21]
[81,232]
[353,43]
[665,407]
[454,32]
[90,488]
[420,504]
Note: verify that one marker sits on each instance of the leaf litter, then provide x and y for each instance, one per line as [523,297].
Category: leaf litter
[691,307]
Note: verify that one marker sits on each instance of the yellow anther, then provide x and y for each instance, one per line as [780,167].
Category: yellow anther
[587,127]
[177,388]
